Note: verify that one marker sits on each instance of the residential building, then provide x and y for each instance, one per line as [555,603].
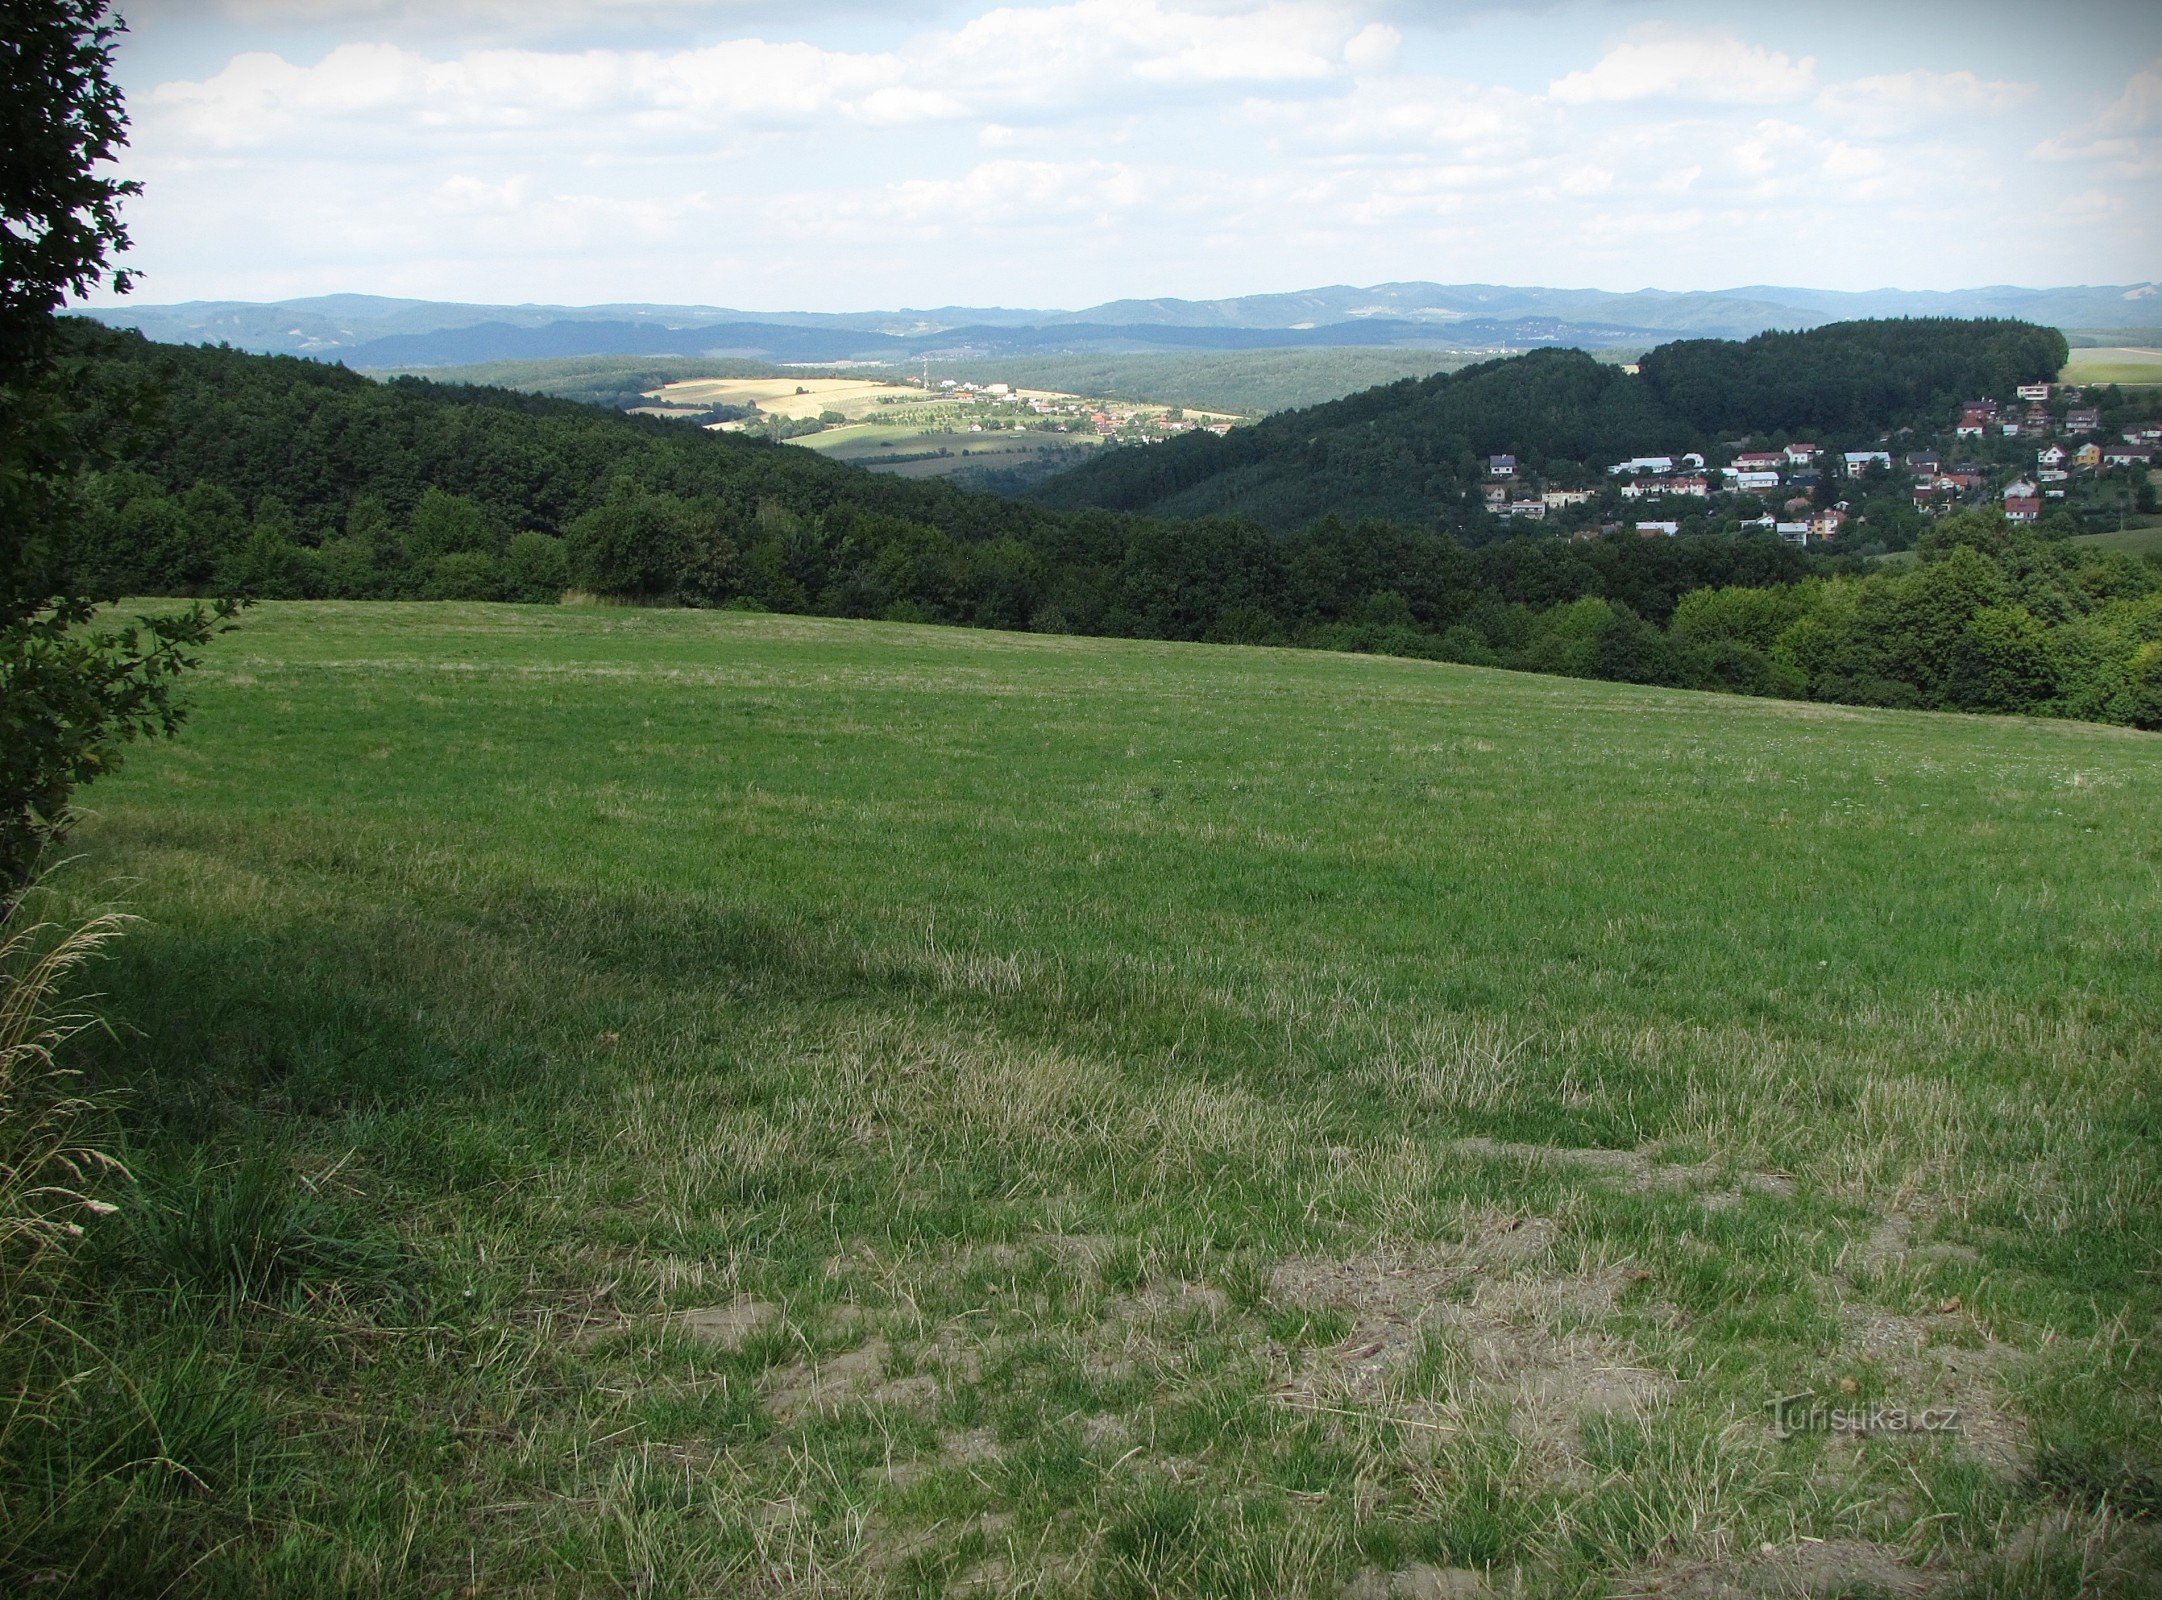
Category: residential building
[1793,532]
[1921,461]
[1751,482]
[1534,509]
[2082,420]
[1656,530]
[2023,508]
[2035,391]
[2128,455]
[1497,496]
[2055,456]
[1760,460]
[1558,499]
[1802,454]
[2019,489]
[2088,455]
[1826,524]
[1655,465]
[1859,461]
[1501,466]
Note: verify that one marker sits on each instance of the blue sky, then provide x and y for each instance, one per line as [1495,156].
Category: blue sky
[841,156]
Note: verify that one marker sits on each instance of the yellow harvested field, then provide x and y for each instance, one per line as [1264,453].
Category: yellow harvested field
[791,397]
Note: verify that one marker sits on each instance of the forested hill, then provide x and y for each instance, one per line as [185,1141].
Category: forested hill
[320,440]
[1415,451]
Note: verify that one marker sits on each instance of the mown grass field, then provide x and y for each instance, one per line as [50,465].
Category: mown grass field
[2141,537]
[691,1103]
[2122,364]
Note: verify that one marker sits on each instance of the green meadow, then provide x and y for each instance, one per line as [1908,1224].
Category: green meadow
[694,1103]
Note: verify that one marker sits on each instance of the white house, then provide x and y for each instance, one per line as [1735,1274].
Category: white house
[1858,461]
[2035,391]
[1659,465]
[1501,466]
[1751,482]
[2055,456]
[1793,532]
[1649,530]
[1801,455]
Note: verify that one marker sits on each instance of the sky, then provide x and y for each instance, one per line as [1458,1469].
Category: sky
[834,155]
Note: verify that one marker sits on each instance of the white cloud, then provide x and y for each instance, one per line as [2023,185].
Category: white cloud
[1072,150]
[1664,64]
[2140,106]
[1891,102]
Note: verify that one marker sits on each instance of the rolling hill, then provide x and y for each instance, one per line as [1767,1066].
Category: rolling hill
[379,333]
[1415,450]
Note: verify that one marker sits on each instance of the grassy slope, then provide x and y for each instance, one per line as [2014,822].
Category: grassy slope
[1064,1049]
[2139,538]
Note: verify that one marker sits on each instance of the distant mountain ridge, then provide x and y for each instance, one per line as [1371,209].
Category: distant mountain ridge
[374,332]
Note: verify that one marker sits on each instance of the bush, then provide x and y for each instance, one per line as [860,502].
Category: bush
[465,575]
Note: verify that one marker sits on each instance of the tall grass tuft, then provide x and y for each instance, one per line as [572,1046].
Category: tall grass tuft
[47,1170]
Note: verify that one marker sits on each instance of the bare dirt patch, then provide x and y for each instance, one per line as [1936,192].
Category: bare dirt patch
[1811,1570]
[727,1326]
[1515,1342]
[1934,1356]
[809,1386]
[1422,1583]
[1920,1366]
[1634,1168]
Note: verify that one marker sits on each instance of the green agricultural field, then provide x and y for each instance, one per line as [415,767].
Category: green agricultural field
[2142,538]
[2120,364]
[693,1103]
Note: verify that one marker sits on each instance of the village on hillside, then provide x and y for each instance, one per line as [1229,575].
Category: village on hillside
[2046,449]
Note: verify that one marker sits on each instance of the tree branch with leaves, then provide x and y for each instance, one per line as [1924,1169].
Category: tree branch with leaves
[74,688]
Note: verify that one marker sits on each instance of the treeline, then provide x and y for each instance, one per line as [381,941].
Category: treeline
[1416,451]
[279,478]
[1990,618]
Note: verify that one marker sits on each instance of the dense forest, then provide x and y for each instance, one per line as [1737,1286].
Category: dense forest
[275,477]
[1416,450]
